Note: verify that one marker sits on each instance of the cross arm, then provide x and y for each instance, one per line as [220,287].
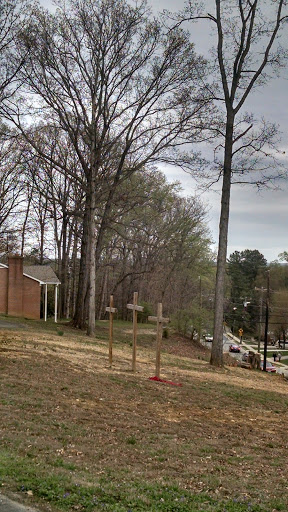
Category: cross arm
[111,310]
[134,307]
[161,320]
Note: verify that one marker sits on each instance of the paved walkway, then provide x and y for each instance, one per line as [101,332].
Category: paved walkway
[7,505]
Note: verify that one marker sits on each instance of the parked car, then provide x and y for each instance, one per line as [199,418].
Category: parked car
[234,348]
[269,367]
[245,356]
[208,337]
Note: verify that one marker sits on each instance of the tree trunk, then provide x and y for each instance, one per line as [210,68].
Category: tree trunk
[41,248]
[74,272]
[27,213]
[69,277]
[217,345]
[92,263]
[80,315]
[103,293]
[63,269]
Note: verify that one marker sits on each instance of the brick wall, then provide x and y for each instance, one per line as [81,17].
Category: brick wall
[3,290]
[31,298]
[15,286]
[19,295]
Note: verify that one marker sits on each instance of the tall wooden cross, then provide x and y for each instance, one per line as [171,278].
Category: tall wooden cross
[135,308]
[160,321]
[111,310]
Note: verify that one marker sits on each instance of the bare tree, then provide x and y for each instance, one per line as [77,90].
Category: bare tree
[248,53]
[11,185]
[62,195]
[126,93]
[12,16]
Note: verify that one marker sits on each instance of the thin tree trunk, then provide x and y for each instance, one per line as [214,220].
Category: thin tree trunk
[103,293]
[217,345]
[68,295]
[74,272]
[26,220]
[67,299]
[64,268]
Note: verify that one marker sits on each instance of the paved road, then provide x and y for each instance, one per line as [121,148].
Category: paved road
[7,505]
[245,347]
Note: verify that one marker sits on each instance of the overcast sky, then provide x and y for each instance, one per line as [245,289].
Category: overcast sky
[258,219]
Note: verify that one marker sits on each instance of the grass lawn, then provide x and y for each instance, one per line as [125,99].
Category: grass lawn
[78,435]
[284,354]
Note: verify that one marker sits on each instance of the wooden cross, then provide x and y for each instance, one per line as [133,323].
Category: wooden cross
[135,308]
[111,310]
[160,321]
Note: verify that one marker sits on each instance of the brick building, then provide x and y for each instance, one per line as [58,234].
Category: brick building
[20,288]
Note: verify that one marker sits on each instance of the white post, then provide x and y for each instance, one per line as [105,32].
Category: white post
[46,302]
[56,303]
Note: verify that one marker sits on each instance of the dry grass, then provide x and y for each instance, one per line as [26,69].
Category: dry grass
[65,412]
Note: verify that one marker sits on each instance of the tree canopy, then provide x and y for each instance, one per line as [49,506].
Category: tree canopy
[125,91]
[246,271]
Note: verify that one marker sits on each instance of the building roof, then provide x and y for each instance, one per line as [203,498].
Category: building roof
[41,273]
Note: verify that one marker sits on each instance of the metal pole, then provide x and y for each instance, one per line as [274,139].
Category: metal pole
[266,321]
[260,319]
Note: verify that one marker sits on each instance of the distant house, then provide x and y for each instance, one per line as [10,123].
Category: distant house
[20,288]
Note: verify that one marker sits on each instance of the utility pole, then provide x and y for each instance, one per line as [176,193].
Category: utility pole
[266,321]
[233,327]
[260,315]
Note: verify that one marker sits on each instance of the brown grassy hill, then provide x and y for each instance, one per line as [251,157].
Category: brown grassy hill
[78,435]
